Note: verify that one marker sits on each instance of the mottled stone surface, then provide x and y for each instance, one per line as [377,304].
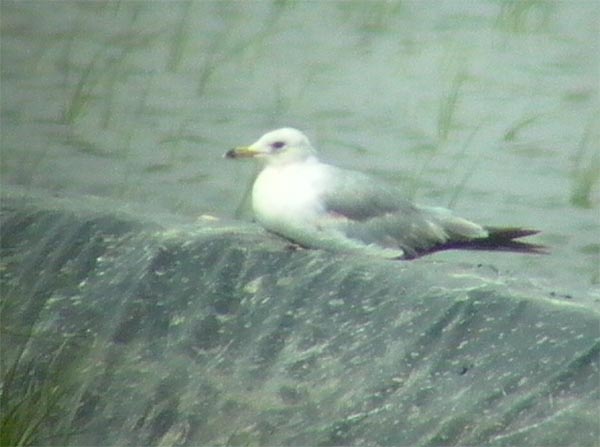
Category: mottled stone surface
[217,333]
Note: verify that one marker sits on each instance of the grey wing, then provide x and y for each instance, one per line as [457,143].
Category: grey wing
[372,212]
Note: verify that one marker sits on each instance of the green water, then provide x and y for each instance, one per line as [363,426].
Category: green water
[490,107]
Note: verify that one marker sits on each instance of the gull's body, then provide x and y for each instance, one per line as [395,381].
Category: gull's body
[321,206]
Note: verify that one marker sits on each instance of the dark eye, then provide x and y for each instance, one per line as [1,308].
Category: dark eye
[277,145]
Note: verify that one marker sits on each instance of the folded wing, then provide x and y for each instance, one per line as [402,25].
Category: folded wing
[372,213]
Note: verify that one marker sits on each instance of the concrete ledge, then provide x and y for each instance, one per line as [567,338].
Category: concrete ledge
[215,333]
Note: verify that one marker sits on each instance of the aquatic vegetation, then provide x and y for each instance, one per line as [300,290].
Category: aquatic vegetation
[448,106]
[180,38]
[38,404]
[512,133]
[586,169]
[459,186]
[83,91]
[524,15]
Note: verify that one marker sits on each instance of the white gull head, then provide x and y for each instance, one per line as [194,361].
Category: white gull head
[281,146]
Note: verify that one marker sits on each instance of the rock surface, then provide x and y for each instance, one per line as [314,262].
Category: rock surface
[215,333]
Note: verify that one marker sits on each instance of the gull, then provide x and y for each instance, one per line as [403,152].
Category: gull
[317,205]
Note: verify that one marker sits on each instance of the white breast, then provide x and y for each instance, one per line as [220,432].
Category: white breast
[288,194]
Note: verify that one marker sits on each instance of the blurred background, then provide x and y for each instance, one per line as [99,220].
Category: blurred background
[489,107]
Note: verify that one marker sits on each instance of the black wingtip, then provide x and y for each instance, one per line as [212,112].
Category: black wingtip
[498,239]
[504,239]
[510,232]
